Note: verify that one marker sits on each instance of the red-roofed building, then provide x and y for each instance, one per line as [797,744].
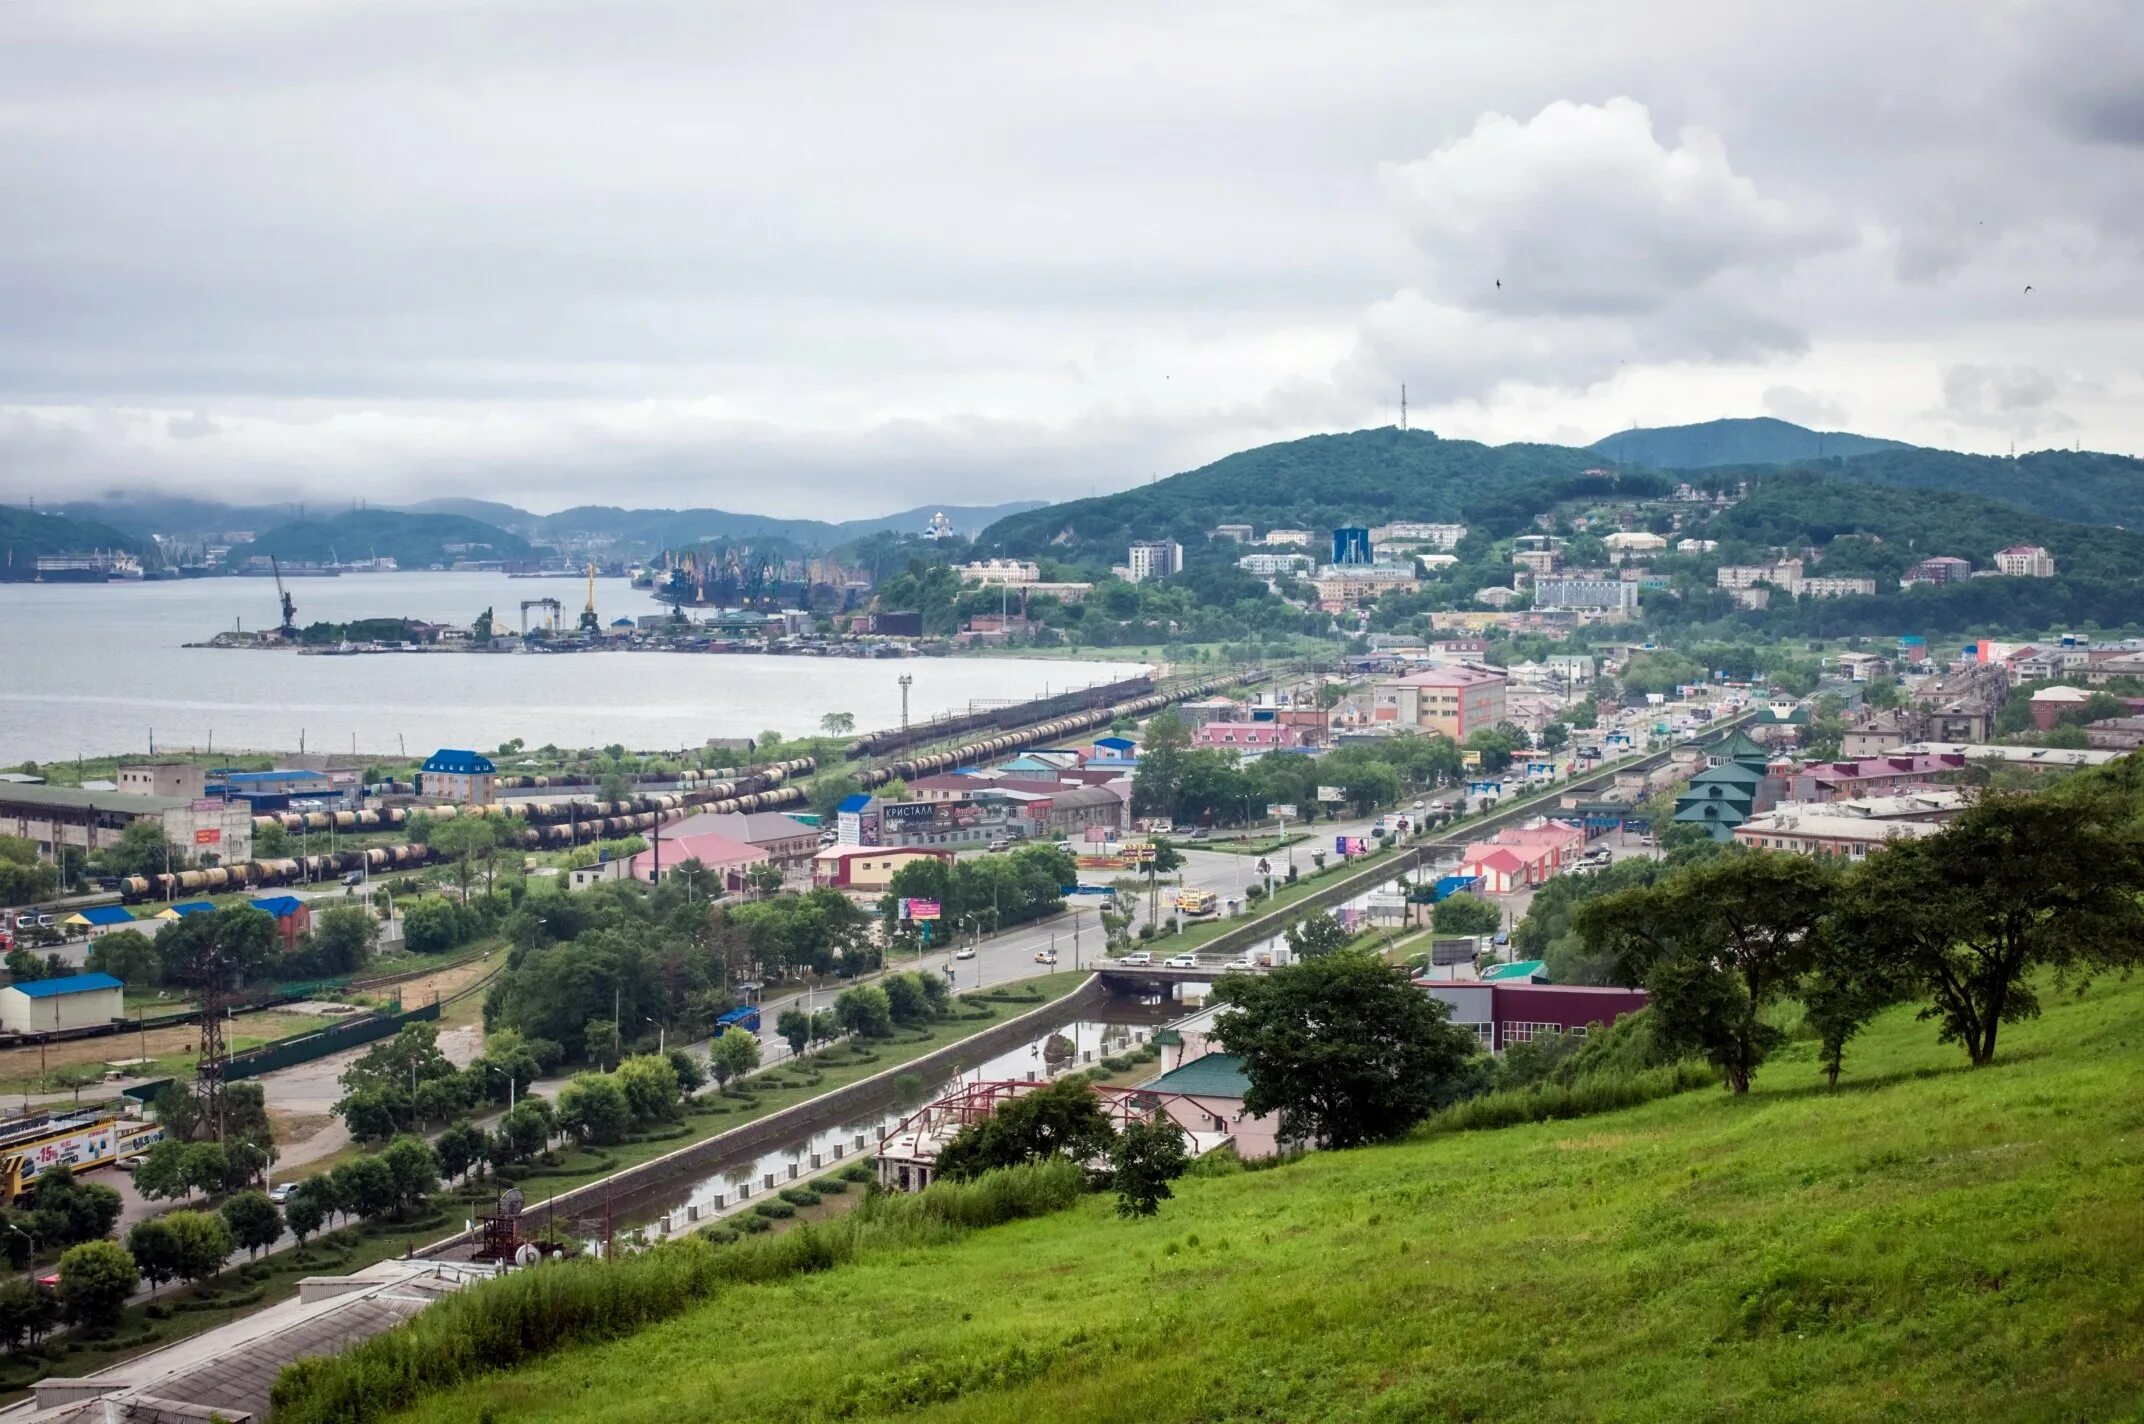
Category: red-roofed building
[727,860]
[1502,869]
[1248,736]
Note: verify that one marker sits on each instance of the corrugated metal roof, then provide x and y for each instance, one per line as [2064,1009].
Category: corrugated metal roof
[1217,1075]
[91,800]
[449,761]
[280,905]
[71,984]
[1524,969]
[103,915]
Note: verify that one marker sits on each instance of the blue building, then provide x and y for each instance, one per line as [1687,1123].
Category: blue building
[1351,545]
[452,775]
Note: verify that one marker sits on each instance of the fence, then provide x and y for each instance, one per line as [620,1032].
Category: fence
[305,1047]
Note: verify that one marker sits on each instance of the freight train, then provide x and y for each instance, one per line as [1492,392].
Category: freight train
[1101,696]
[564,824]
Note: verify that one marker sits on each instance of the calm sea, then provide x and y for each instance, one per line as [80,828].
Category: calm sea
[88,669]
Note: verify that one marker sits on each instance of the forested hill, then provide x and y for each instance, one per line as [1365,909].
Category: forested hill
[415,541]
[1366,476]
[2083,486]
[27,533]
[1762,441]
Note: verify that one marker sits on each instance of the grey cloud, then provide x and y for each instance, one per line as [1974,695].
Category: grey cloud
[1817,411]
[2013,399]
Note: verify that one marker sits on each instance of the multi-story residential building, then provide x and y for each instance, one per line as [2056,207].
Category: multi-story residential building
[1785,574]
[1456,701]
[1277,565]
[1836,587]
[1341,584]
[1290,538]
[1819,830]
[1943,568]
[2025,561]
[1600,595]
[1410,531]
[994,573]
[1241,533]
[1155,559]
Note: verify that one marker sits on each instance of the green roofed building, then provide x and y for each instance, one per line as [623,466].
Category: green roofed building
[1719,798]
[1737,746]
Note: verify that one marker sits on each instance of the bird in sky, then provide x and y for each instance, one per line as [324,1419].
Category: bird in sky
[2028,286]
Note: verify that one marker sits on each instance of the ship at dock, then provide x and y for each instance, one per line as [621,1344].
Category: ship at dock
[101,566]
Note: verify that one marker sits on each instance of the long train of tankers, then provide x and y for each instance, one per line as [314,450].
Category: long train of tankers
[572,822]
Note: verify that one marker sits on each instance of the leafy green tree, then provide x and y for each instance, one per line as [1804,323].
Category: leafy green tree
[650,1087]
[690,1075]
[343,939]
[794,1026]
[305,1210]
[460,1147]
[1844,988]
[375,1114]
[1465,914]
[865,1011]
[733,1055]
[203,1243]
[128,956]
[527,1129]
[2016,887]
[1342,1047]
[366,1187]
[1317,935]
[1062,1120]
[1716,942]
[594,1108]
[154,1249]
[206,1166]
[235,945]
[96,1278]
[1147,1156]
[838,724]
[414,1168]
[24,877]
[142,849]
[904,998]
[433,925]
[254,1221]
[464,840]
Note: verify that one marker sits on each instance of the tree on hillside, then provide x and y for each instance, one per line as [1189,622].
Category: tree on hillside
[1064,1119]
[1146,1158]
[2014,886]
[1713,944]
[234,946]
[1844,988]
[1342,1047]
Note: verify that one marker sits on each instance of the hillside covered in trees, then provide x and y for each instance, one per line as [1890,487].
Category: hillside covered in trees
[414,541]
[1364,476]
[1762,441]
[27,533]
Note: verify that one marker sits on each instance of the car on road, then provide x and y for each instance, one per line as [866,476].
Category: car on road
[355,877]
[1137,959]
[1045,956]
[1416,806]
[279,1193]
[965,952]
[1241,961]
[1181,961]
[1201,833]
[1001,843]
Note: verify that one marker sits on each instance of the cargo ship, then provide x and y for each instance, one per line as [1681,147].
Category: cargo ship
[115,566]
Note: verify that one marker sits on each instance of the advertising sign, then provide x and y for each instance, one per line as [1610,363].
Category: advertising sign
[207,835]
[908,813]
[1330,793]
[207,805]
[1281,811]
[1470,758]
[1350,845]
[1097,835]
[919,909]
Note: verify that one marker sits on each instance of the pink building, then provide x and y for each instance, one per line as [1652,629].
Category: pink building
[1248,736]
[1522,856]
[726,860]
[1503,1013]
[1870,776]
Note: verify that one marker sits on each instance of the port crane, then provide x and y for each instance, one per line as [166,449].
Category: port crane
[551,606]
[590,624]
[289,625]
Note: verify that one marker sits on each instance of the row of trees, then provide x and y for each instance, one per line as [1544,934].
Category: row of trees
[989,891]
[1210,785]
[1964,922]
[1066,1120]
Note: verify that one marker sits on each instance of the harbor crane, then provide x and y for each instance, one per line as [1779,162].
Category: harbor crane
[550,606]
[289,626]
[590,624]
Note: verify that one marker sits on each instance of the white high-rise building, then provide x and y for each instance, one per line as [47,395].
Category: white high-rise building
[1155,559]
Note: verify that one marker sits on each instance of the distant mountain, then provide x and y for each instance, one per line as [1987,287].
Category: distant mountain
[27,533]
[2082,486]
[1762,441]
[1365,476]
[488,511]
[415,541]
[652,530]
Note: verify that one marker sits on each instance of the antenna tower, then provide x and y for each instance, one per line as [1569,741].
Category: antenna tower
[1403,405]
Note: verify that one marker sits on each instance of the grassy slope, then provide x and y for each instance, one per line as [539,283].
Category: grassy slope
[1929,1242]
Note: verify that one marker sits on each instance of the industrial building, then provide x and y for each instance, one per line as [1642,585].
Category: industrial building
[50,817]
[64,1005]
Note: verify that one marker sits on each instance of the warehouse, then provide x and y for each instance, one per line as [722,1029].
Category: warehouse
[59,1005]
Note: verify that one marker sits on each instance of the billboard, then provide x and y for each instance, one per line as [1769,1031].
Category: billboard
[919,909]
[907,813]
[207,835]
[1330,793]
[1281,811]
[1350,845]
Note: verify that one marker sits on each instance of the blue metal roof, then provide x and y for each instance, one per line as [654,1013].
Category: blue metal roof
[193,907]
[270,778]
[853,803]
[72,984]
[459,763]
[1123,743]
[279,905]
[107,915]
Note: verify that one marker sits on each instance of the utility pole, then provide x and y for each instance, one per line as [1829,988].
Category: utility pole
[906,681]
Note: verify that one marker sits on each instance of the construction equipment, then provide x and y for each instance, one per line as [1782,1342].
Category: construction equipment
[553,607]
[590,624]
[289,626]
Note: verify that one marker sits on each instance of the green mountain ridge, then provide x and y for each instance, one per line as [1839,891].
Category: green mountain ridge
[414,541]
[1761,440]
[25,534]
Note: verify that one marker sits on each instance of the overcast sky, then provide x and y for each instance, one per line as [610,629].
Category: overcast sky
[842,258]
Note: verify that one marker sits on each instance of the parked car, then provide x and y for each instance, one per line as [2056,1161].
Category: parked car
[279,1193]
[1201,833]
[1181,961]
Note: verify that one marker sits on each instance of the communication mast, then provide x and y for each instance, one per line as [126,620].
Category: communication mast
[1403,405]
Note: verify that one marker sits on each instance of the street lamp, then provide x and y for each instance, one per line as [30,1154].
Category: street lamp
[662,1036]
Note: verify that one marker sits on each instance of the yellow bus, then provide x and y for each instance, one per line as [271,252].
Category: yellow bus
[1197,902]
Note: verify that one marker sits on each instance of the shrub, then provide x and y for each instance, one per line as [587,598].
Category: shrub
[753,1225]
[720,1235]
[775,1210]
[829,1186]
[1594,1093]
[800,1196]
[858,1172]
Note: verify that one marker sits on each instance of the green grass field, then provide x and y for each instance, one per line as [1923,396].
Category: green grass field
[1929,1242]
